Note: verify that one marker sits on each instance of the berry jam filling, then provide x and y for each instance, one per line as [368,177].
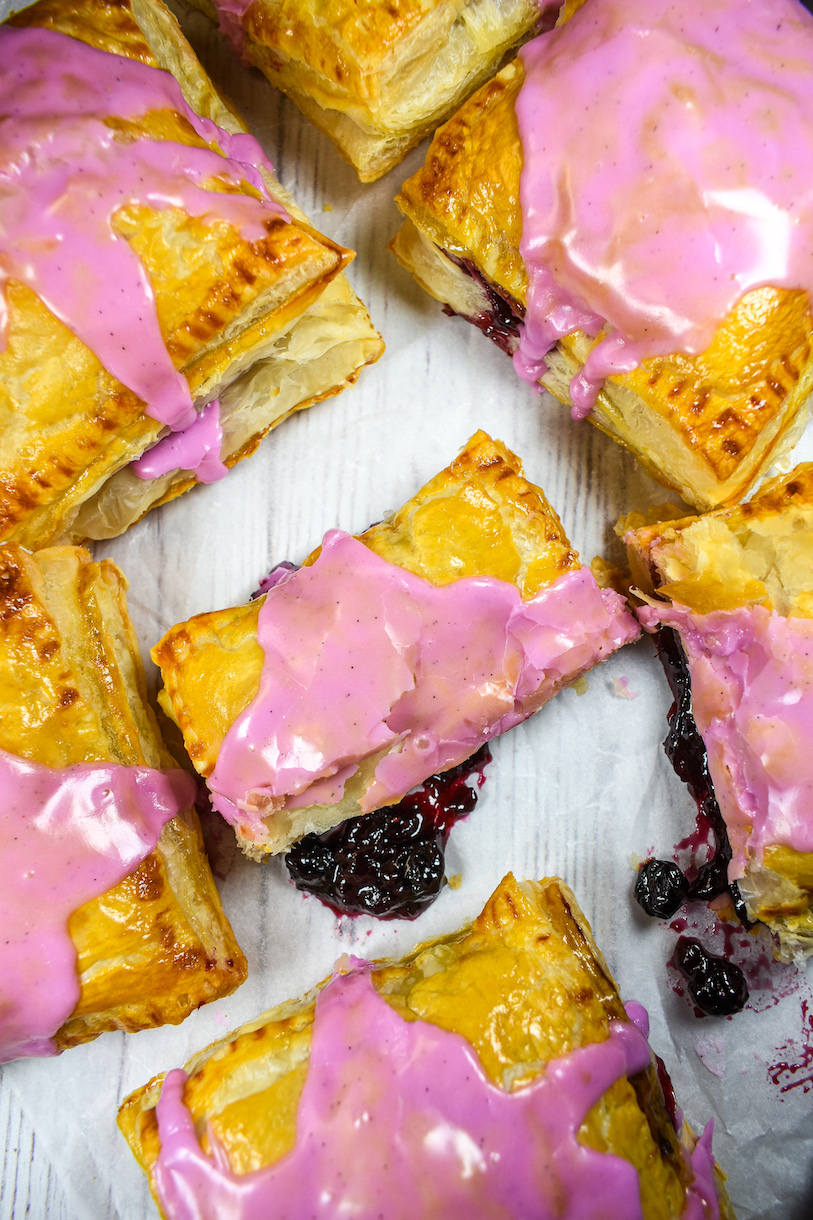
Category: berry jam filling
[389,863]
[716,985]
[501,321]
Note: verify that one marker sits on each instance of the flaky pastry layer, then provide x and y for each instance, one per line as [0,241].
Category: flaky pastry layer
[225,306]
[72,689]
[707,426]
[532,943]
[479,517]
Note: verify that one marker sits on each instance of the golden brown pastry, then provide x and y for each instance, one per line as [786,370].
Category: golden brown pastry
[377,77]
[72,691]
[521,993]
[709,424]
[264,322]
[411,676]
[737,587]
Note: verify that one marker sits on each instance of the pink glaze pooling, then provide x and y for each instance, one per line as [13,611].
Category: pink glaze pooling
[196,449]
[398,1120]
[362,656]
[752,698]
[66,836]
[667,171]
[64,174]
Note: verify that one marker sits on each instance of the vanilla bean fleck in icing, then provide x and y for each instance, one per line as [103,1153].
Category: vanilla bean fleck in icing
[397,1119]
[667,171]
[66,168]
[752,700]
[362,656]
[67,835]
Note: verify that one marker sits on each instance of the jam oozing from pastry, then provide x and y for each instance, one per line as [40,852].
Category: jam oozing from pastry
[502,320]
[66,835]
[667,171]
[69,164]
[364,660]
[196,448]
[717,986]
[397,1119]
[389,863]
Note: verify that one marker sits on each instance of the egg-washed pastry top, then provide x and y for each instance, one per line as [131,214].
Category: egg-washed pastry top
[388,657]
[416,1089]
[737,586]
[637,191]
[110,916]
[377,77]
[145,263]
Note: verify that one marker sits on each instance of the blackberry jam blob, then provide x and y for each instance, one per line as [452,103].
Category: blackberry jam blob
[716,986]
[389,863]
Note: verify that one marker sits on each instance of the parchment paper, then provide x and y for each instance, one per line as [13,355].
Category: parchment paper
[581,790]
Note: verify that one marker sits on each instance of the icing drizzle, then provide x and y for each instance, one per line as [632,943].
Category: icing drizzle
[66,168]
[362,656]
[667,152]
[66,835]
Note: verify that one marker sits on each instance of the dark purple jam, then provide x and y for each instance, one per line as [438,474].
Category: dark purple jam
[389,863]
[717,986]
[501,321]
[658,883]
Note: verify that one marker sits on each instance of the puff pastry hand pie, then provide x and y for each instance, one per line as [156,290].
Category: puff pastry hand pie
[416,1089]
[164,271]
[377,77]
[109,921]
[389,657]
[605,211]
[736,586]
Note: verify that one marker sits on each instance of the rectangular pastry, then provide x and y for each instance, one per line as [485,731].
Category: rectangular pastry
[162,273]
[389,657]
[580,211]
[417,1089]
[377,77]
[736,586]
[110,916]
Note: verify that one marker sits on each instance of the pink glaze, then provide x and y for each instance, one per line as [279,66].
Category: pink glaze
[196,449]
[752,698]
[64,173]
[230,14]
[66,836]
[398,1120]
[362,656]
[667,171]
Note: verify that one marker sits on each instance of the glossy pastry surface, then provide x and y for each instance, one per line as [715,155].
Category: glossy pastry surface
[706,418]
[202,298]
[377,77]
[251,1095]
[309,707]
[736,586]
[72,691]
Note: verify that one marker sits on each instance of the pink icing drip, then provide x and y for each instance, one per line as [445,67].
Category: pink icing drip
[65,173]
[752,698]
[398,1119]
[66,836]
[230,14]
[361,655]
[196,448]
[667,152]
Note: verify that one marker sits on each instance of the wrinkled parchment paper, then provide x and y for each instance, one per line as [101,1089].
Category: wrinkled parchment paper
[582,790]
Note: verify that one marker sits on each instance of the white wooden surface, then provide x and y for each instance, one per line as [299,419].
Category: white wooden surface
[579,790]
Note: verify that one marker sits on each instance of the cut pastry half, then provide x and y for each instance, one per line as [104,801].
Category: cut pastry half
[111,918]
[635,273]
[736,586]
[492,1073]
[163,272]
[388,657]
[377,77]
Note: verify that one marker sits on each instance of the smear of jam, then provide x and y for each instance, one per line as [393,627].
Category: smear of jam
[501,321]
[794,1070]
[389,863]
